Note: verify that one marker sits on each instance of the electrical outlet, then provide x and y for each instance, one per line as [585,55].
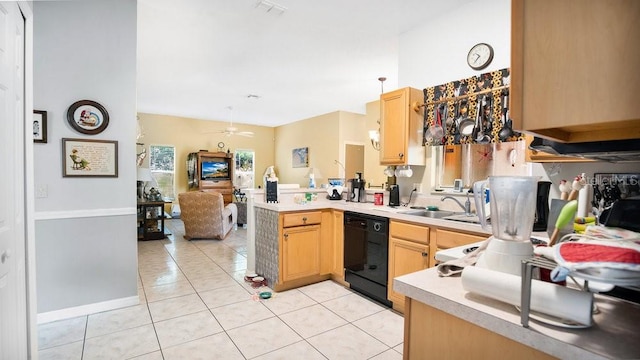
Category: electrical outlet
[41,191]
[418,187]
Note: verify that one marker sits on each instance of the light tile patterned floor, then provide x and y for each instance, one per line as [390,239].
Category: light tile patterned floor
[195,304]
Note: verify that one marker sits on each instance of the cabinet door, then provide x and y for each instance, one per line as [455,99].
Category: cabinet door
[338,246]
[393,127]
[404,257]
[574,69]
[447,239]
[300,252]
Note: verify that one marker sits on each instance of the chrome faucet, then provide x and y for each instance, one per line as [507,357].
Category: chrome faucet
[466,207]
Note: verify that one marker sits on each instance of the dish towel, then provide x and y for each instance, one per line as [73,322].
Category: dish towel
[455,266]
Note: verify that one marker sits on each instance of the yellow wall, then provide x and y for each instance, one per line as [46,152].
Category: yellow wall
[191,135]
[324,135]
[373,171]
[320,135]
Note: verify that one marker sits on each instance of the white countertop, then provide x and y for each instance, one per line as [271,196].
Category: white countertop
[613,335]
[371,209]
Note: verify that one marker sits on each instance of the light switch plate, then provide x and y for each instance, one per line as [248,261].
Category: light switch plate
[41,191]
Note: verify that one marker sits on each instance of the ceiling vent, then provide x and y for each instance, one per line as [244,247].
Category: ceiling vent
[271,7]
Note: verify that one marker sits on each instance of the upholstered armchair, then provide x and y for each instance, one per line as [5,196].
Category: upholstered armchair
[205,216]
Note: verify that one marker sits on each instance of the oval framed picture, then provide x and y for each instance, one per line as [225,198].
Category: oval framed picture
[88,117]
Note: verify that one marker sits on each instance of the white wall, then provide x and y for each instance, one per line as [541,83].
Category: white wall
[86,243]
[436,53]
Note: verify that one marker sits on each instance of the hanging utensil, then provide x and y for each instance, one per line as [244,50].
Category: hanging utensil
[481,135]
[437,132]
[456,123]
[466,124]
[506,132]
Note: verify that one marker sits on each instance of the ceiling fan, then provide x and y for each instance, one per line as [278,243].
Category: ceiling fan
[232,130]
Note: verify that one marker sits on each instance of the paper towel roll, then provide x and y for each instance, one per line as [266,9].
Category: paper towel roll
[583,201]
[546,298]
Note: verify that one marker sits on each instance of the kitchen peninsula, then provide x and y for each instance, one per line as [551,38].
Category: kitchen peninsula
[442,318]
[314,230]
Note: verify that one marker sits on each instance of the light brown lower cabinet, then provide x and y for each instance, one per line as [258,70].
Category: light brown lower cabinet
[442,239]
[306,248]
[300,252]
[430,333]
[408,252]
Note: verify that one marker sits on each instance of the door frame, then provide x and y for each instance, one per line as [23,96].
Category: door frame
[29,182]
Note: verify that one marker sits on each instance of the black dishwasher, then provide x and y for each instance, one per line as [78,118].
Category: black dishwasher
[366,254]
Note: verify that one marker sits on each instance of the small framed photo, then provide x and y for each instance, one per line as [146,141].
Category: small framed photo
[88,117]
[82,157]
[39,126]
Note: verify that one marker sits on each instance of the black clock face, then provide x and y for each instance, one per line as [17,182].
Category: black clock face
[480,56]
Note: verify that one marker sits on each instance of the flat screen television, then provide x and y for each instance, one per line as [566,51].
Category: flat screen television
[214,169]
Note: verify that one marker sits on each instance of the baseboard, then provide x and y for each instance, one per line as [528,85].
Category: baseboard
[88,309]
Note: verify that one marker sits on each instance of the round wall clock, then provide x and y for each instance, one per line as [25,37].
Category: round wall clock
[220,146]
[88,117]
[480,56]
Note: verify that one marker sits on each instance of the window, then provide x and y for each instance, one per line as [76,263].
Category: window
[162,166]
[244,171]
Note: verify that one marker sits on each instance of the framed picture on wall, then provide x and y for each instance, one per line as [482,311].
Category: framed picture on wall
[88,117]
[300,157]
[39,126]
[82,157]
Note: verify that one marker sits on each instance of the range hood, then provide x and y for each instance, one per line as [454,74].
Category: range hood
[611,151]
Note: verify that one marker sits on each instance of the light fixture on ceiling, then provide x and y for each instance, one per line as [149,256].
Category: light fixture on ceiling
[374,135]
[232,130]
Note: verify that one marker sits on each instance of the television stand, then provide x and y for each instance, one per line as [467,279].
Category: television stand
[223,185]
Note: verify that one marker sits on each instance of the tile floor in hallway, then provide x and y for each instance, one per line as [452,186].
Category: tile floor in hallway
[195,304]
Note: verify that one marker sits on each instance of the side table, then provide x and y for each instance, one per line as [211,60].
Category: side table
[151,220]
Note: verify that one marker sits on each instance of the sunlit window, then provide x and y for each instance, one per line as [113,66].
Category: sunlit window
[244,170]
[162,166]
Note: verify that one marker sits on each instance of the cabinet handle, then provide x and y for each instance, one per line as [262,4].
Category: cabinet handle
[401,155]
[425,254]
[304,219]
[286,237]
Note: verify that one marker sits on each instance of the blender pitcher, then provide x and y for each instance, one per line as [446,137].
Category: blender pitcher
[513,206]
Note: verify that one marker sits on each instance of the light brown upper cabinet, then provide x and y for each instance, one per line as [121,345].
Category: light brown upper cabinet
[401,127]
[575,69]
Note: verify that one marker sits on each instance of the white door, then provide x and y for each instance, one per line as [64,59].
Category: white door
[13,312]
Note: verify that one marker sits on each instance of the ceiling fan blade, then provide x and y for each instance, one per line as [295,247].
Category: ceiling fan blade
[245,133]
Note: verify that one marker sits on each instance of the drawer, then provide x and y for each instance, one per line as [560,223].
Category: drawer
[301,218]
[411,232]
[448,239]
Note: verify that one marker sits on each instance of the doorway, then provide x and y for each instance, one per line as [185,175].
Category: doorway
[353,160]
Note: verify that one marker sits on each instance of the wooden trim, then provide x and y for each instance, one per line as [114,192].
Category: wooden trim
[517,63]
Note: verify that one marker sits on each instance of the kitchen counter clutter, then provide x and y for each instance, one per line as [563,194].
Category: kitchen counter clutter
[613,334]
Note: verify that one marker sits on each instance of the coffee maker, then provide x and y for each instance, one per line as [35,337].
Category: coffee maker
[355,189]
[542,206]
[394,195]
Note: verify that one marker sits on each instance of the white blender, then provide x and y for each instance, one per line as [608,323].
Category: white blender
[513,207]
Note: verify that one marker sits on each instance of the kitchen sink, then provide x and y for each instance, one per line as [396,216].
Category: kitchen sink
[464,218]
[436,214]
